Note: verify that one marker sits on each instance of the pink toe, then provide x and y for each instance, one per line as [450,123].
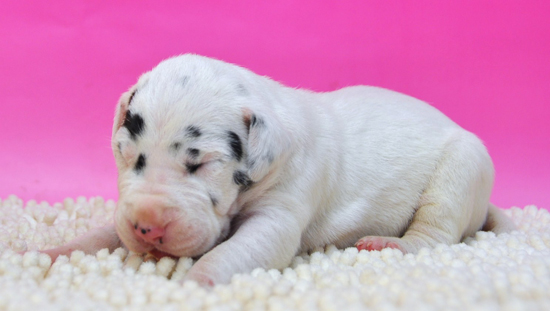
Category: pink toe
[392,245]
[361,244]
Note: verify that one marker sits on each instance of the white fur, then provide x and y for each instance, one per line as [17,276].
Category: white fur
[328,168]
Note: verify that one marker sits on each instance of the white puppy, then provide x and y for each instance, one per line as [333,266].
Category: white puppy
[216,160]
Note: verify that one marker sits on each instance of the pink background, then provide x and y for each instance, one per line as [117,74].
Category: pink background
[63,65]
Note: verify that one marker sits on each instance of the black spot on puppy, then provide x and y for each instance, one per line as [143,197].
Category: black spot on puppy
[134,123]
[175,146]
[213,200]
[235,144]
[250,163]
[270,157]
[193,153]
[140,164]
[193,131]
[131,97]
[242,90]
[240,178]
[256,121]
[193,167]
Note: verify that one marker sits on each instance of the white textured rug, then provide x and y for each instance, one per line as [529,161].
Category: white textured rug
[508,272]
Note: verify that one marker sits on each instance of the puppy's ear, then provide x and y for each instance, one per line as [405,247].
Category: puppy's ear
[122,108]
[125,101]
[121,113]
[119,141]
[268,142]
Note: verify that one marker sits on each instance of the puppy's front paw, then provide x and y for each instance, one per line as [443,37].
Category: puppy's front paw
[377,243]
[201,278]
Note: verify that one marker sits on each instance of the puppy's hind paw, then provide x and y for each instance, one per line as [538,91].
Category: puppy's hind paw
[377,243]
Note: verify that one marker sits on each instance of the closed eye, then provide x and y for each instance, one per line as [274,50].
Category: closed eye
[193,167]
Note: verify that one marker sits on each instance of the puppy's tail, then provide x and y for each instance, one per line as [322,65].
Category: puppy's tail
[497,222]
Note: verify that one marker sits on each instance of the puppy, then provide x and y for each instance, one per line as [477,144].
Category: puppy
[216,161]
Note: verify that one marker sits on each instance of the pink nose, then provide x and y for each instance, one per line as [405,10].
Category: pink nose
[150,234]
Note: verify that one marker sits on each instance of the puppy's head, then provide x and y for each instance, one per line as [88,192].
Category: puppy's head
[188,139]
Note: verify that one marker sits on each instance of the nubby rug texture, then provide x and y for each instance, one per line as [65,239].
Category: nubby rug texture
[486,272]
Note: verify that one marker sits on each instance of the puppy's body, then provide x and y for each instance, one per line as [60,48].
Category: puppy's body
[215,159]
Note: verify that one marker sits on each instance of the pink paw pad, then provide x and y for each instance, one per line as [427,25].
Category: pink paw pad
[376,244]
